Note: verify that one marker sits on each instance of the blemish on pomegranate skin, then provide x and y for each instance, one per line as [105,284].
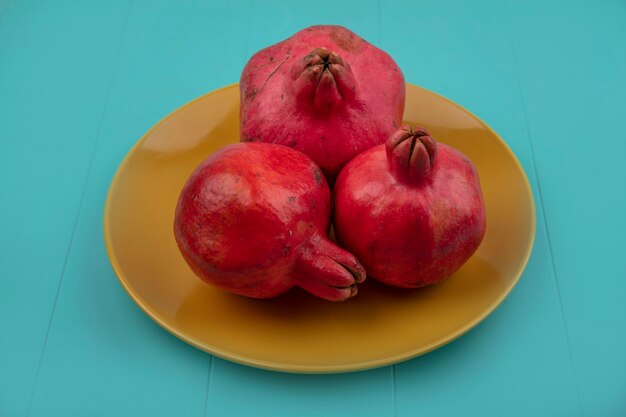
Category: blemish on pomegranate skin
[251,94]
[343,41]
[292,199]
[317,174]
[272,74]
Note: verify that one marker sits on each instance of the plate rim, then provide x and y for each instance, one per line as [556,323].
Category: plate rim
[298,368]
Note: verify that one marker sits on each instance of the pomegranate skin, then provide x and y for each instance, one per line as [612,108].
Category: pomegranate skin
[252,218]
[411,210]
[325,92]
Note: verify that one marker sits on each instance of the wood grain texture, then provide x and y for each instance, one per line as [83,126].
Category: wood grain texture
[80,82]
[51,108]
[572,80]
[128,365]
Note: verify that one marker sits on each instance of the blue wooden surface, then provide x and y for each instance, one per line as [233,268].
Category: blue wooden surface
[81,81]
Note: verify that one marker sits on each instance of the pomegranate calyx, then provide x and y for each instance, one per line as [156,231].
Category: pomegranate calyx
[411,152]
[327,271]
[324,80]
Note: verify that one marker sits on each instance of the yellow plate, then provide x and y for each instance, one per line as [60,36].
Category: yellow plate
[297,332]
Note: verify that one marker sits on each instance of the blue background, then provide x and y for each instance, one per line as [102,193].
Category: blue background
[81,81]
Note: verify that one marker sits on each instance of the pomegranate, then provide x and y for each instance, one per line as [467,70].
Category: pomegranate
[411,210]
[252,219]
[325,92]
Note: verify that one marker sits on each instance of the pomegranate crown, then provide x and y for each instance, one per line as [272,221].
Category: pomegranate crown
[323,80]
[411,153]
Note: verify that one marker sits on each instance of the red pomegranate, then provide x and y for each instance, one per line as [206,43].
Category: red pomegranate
[411,210]
[325,92]
[252,220]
